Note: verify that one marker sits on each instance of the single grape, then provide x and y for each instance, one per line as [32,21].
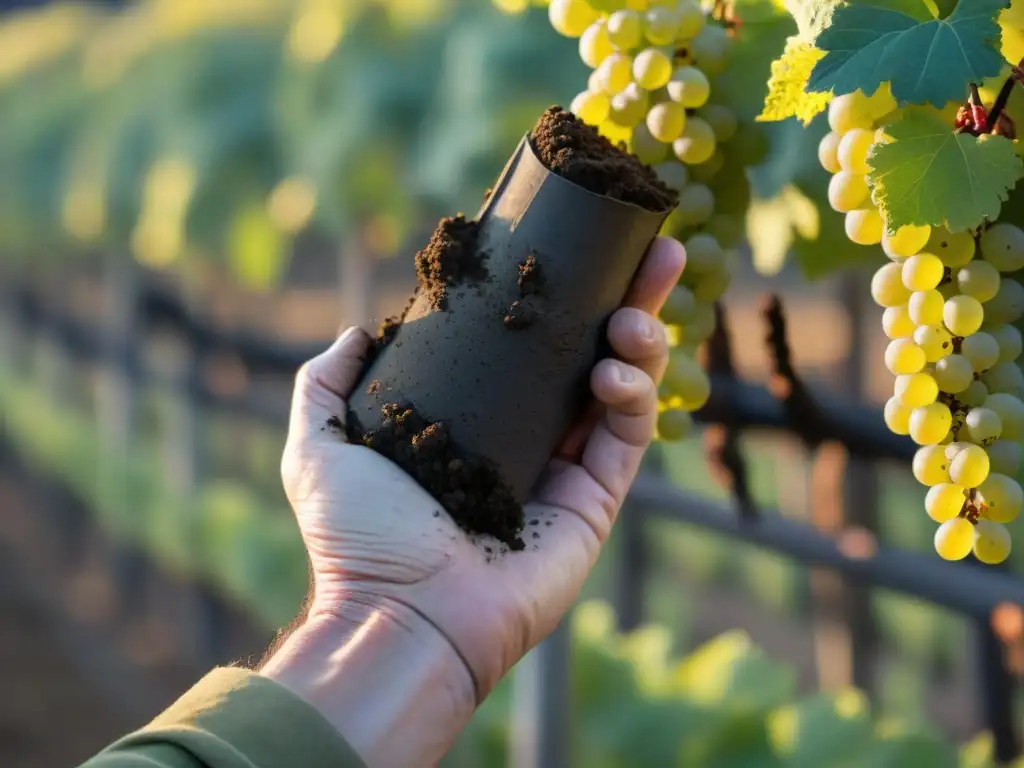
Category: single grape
[689,87]
[887,287]
[916,390]
[625,30]
[847,191]
[944,501]
[685,378]
[652,69]
[969,467]
[696,204]
[1002,246]
[697,331]
[594,82]
[953,448]
[1011,345]
[661,25]
[711,286]
[864,226]
[710,48]
[853,150]
[1001,497]
[903,356]
[697,144]
[673,174]
[590,107]
[897,416]
[848,112]
[706,171]
[723,121]
[703,252]
[615,73]
[981,349]
[1005,456]
[828,152]
[929,424]
[1004,377]
[922,272]
[679,307]
[595,46]
[925,307]
[1010,410]
[571,17]
[935,341]
[963,315]
[979,279]
[984,426]
[954,539]
[691,20]
[648,149]
[629,107]
[1007,305]
[955,249]
[976,394]
[674,424]
[906,241]
[896,322]
[953,373]
[666,121]
[992,542]
[930,465]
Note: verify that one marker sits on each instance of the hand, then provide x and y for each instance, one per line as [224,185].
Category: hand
[384,553]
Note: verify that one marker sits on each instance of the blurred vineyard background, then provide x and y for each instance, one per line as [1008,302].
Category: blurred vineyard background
[194,192]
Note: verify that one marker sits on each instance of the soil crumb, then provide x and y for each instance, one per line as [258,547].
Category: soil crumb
[578,153]
[449,259]
[334,424]
[530,276]
[521,314]
[525,310]
[469,487]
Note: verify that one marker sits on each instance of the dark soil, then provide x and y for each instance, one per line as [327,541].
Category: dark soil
[578,153]
[469,487]
[521,314]
[531,278]
[449,259]
[525,310]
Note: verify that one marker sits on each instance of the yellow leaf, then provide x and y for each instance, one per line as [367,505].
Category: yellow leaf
[787,96]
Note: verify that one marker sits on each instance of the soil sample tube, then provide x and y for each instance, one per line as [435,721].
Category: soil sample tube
[473,389]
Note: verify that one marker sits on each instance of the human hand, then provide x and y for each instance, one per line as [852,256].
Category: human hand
[384,552]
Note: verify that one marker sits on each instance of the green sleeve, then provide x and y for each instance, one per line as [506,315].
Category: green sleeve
[233,718]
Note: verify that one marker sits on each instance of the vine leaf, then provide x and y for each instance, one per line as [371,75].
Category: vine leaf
[787,86]
[927,62]
[930,175]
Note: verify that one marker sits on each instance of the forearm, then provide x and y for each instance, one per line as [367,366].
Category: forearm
[390,683]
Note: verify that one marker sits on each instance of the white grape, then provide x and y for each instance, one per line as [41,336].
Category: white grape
[944,501]
[954,539]
[864,226]
[955,249]
[963,315]
[930,465]
[828,152]
[853,150]
[969,467]
[1010,410]
[1001,497]
[903,356]
[1007,305]
[922,272]
[935,341]
[992,542]
[723,121]
[629,106]
[906,241]
[981,349]
[849,111]
[673,174]
[615,73]
[652,69]
[571,17]
[1011,345]
[696,204]
[847,191]
[1004,377]
[896,322]
[697,143]
[887,288]
[897,416]
[709,49]
[953,373]
[1002,246]
[590,107]
[1005,457]
[625,29]
[983,425]
[595,46]
[690,87]
[648,149]
[666,121]
[976,394]
[661,25]
[691,20]
[979,279]
[929,424]
[925,307]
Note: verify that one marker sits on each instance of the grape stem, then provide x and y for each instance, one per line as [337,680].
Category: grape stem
[801,409]
[1016,76]
[722,441]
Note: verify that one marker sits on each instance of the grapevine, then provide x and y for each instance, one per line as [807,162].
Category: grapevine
[950,292]
[652,88]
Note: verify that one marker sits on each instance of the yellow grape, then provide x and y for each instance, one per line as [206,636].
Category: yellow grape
[690,87]
[615,73]
[697,143]
[1011,414]
[595,46]
[1010,341]
[992,542]
[954,539]
[954,249]
[925,307]
[922,272]
[979,279]
[983,426]
[571,17]
[897,416]
[666,121]
[674,424]
[906,241]
[944,501]
[853,150]
[981,349]
[916,390]
[970,467]
[896,322]
[648,149]
[904,356]
[847,191]
[828,152]
[930,424]
[691,20]
[625,30]
[687,380]
[953,374]
[1003,246]
[629,107]
[930,465]
[652,69]
[974,395]
[661,25]
[887,287]
[864,226]
[963,315]
[935,341]
[592,108]
[1001,498]
[849,111]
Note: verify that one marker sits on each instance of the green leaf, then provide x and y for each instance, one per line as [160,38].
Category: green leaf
[930,62]
[930,175]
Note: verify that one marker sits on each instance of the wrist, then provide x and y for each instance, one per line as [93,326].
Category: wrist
[388,681]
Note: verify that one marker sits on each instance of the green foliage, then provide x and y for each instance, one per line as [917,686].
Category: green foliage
[930,175]
[929,62]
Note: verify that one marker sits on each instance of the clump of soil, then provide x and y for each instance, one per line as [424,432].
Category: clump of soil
[527,308]
[521,314]
[449,259]
[578,153]
[530,276]
[469,487]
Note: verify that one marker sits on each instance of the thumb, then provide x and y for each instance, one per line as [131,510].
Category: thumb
[324,384]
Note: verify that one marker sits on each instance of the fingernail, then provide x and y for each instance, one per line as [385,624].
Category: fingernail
[647,329]
[626,374]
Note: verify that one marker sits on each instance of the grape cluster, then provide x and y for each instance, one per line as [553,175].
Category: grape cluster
[949,302]
[654,64]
